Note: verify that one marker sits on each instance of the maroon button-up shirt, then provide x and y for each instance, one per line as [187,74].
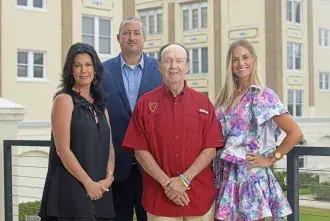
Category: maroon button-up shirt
[175,130]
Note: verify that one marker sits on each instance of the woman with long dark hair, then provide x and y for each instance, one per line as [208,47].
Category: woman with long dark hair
[81,159]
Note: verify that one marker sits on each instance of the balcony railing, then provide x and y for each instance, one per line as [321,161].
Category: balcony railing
[9,154]
[13,159]
[293,174]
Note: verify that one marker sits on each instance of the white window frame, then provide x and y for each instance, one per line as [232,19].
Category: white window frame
[294,103]
[30,7]
[293,12]
[152,52]
[97,34]
[30,66]
[294,46]
[152,12]
[190,7]
[199,62]
[324,37]
[322,76]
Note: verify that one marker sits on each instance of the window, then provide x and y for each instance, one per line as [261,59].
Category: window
[324,82]
[295,103]
[198,61]
[301,159]
[194,16]
[324,37]
[293,11]
[97,32]
[153,54]
[33,4]
[30,65]
[153,20]
[294,61]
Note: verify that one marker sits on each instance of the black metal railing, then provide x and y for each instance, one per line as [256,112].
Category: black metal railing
[293,174]
[8,181]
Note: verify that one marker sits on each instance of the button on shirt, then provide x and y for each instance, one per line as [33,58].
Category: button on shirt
[132,76]
[175,130]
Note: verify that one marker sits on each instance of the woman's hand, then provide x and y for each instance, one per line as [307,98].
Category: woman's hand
[256,160]
[107,182]
[95,190]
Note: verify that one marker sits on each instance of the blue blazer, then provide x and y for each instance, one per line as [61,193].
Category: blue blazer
[119,109]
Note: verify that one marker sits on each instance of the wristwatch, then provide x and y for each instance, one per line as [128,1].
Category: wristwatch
[276,157]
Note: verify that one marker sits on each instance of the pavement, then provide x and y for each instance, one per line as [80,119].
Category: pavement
[309,201]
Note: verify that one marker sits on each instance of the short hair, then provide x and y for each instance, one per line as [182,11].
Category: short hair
[132,19]
[169,44]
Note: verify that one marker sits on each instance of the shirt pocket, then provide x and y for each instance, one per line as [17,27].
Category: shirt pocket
[194,130]
[156,127]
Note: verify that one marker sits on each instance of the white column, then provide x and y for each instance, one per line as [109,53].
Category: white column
[10,114]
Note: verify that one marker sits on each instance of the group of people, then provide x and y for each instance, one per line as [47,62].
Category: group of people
[130,135]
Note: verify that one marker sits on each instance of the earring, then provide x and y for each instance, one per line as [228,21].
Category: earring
[71,79]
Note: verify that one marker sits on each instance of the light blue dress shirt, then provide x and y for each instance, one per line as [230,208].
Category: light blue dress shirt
[132,76]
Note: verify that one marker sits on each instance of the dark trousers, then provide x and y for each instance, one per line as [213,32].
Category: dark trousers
[127,197]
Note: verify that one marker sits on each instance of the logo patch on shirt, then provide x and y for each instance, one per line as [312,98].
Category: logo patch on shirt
[152,106]
[203,111]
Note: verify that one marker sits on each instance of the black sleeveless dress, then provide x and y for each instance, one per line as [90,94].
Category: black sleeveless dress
[64,196]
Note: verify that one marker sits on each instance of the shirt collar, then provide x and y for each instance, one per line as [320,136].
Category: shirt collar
[254,87]
[123,63]
[168,92]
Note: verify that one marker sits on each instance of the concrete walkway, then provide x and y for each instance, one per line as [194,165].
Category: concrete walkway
[309,201]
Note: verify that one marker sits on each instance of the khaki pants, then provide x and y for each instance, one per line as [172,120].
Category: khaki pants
[209,216]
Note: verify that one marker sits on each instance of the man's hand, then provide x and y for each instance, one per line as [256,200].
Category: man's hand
[175,188]
[182,200]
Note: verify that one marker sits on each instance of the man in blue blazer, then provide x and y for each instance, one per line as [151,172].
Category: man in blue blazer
[127,77]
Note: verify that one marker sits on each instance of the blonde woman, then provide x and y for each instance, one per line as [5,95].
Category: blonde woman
[251,117]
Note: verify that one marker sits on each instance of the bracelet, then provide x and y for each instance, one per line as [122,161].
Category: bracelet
[184,180]
[184,183]
[109,173]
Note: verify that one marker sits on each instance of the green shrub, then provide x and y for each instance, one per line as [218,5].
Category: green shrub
[281,178]
[28,209]
[305,179]
[308,179]
[322,191]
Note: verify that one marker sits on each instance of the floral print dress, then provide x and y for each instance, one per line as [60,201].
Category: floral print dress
[244,194]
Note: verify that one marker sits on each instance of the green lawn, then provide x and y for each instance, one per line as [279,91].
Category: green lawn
[305,191]
[302,191]
[313,214]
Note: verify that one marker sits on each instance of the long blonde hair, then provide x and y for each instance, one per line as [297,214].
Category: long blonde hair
[226,96]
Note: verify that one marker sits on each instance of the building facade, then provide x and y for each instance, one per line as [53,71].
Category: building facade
[35,38]
[291,38]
